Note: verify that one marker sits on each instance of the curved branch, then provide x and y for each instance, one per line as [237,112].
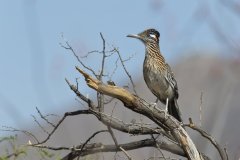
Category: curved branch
[60,122]
[221,151]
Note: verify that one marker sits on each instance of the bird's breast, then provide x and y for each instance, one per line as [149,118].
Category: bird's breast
[154,76]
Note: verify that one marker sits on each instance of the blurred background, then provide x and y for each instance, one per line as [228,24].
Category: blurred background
[199,39]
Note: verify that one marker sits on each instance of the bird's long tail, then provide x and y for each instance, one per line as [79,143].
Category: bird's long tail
[173,110]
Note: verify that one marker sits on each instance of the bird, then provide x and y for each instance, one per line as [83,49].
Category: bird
[157,73]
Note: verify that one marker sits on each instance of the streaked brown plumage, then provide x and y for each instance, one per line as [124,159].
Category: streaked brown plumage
[157,73]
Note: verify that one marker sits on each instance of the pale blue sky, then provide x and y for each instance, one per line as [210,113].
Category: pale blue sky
[33,65]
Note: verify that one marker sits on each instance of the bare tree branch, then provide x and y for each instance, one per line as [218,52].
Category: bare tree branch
[98,147]
[43,129]
[11,129]
[99,95]
[139,105]
[44,118]
[221,151]
[59,122]
[125,152]
[125,69]
[131,128]
[91,137]
[69,47]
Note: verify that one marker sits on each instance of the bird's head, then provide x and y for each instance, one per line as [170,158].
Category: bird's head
[147,36]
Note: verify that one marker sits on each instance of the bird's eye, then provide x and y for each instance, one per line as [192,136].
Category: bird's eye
[153,36]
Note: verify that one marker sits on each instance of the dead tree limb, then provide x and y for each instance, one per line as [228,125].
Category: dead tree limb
[220,150]
[98,147]
[114,122]
[160,117]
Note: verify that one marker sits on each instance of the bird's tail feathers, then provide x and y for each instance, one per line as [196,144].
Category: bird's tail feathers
[173,109]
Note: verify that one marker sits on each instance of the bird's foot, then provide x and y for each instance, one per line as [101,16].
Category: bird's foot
[165,114]
[153,104]
[182,124]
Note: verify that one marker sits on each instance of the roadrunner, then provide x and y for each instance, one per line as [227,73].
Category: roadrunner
[157,73]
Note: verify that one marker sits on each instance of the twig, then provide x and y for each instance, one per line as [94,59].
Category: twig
[91,137]
[158,147]
[126,71]
[129,58]
[43,129]
[112,135]
[103,57]
[81,96]
[53,148]
[110,129]
[221,151]
[115,68]
[60,121]
[99,95]
[107,101]
[11,129]
[88,53]
[44,117]
[111,52]
[125,152]
[69,47]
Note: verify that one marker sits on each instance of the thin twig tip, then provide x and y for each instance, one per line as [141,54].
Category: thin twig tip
[67,81]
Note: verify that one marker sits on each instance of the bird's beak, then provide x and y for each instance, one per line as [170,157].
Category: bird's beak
[134,36]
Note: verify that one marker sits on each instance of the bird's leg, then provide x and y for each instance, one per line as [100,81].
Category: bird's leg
[166,109]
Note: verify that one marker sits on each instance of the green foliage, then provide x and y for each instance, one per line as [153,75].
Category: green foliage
[11,148]
[45,154]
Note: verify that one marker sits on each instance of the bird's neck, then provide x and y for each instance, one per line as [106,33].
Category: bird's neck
[153,51]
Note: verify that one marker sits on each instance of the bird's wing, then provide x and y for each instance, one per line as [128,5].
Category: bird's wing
[170,78]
